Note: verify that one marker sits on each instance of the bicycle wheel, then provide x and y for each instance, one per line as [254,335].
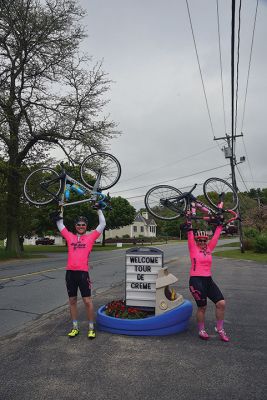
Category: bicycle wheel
[161,201]
[42,186]
[103,164]
[214,187]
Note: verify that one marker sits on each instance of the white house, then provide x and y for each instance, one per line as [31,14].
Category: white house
[142,226]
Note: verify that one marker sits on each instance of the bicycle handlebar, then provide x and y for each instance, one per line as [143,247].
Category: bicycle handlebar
[235,216]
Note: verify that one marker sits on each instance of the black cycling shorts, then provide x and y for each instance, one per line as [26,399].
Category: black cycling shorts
[203,287]
[78,279]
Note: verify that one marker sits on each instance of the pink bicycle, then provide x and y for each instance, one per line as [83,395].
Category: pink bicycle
[168,203]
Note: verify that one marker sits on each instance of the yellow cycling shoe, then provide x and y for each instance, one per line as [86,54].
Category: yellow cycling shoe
[73,333]
[91,334]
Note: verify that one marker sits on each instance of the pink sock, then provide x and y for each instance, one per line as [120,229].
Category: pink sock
[201,326]
[219,324]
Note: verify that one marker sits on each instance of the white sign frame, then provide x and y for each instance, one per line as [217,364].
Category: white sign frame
[142,265]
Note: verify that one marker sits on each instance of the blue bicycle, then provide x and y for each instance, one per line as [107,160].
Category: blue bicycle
[99,171]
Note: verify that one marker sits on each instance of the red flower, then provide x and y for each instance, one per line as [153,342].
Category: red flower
[118,309]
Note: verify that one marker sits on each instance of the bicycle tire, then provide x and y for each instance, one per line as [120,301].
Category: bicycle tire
[106,163]
[212,189]
[155,198]
[33,190]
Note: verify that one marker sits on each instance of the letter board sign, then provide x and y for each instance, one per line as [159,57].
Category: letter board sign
[142,266]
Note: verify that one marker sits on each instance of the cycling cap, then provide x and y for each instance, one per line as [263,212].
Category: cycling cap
[201,235]
[81,219]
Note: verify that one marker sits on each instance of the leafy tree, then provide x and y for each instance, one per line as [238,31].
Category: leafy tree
[50,96]
[260,195]
[122,214]
[257,218]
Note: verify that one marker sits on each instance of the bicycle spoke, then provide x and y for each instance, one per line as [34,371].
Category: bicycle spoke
[213,189]
[161,201]
[101,165]
[42,186]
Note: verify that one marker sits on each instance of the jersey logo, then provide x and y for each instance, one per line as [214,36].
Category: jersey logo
[78,245]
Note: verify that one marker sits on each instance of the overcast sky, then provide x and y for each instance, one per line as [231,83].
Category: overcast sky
[157,97]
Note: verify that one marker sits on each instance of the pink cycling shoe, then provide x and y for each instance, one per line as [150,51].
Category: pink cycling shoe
[203,334]
[222,335]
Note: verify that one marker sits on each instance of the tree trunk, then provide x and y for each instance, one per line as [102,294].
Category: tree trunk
[12,210]
[104,237]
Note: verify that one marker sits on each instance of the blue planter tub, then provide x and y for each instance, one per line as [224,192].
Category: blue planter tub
[170,322]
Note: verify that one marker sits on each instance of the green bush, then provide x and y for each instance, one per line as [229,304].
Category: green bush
[251,233]
[261,244]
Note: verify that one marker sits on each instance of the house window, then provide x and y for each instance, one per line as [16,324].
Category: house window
[152,229]
[142,228]
[135,228]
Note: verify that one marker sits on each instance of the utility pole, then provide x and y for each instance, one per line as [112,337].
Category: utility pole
[229,150]
[229,153]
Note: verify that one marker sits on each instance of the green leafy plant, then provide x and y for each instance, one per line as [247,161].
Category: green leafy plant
[261,244]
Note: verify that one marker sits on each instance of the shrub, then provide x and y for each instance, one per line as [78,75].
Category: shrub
[251,233]
[261,244]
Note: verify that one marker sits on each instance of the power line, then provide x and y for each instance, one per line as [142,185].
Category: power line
[237,64]
[169,164]
[247,159]
[258,182]
[242,179]
[201,183]
[171,180]
[250,57]
[232,73]
[246,91]
[203,86]
[220,53]
[143,195]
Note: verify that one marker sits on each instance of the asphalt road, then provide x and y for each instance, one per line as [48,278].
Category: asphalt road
[32,288]
[40,362]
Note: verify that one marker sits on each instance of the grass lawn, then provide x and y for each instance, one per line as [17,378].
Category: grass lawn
[33,251]
[248,255]
[40,251]
[63,249]
[234,244]
[4,256]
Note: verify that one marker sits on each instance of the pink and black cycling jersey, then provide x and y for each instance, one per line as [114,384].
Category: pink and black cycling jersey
[201,260]
[79,249]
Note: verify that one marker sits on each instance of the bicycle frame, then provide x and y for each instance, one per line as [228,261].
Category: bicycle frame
[193,204]
[66,179]
[197,204]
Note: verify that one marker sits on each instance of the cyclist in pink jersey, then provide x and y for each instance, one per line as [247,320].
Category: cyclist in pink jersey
[201,284]
[77,276]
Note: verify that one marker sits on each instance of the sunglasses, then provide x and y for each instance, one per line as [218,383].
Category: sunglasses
[80,224]
[202,240]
